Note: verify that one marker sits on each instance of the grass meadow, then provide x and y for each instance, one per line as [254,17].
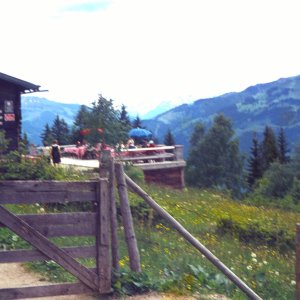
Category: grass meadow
[256,243]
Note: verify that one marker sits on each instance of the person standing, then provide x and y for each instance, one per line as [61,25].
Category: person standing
[55,153]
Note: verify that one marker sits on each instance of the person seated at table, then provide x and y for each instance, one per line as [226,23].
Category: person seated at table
[151,145]
[120,146]
[144,144]
[130,144]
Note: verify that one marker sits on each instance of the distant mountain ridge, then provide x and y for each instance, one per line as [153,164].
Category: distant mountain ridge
[276,104]
[37,112]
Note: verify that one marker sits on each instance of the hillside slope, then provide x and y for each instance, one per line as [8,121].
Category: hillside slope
[276,104]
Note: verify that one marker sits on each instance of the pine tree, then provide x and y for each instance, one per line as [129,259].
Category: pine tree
[194,161]
[214,160]
[269,148]
[137,122]
[254,162]
[47,136]
[80,123]
[60,131]
[125,124]
[124,117]
[282,148]
[169,139]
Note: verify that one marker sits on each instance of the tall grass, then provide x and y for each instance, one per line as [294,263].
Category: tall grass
[169,263]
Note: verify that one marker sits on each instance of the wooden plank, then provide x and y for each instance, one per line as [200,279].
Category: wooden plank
[40,242]
[45,290]
[47,185]
[113,219]
[19,191]
[85,229]
[103,261]
[29,197]
[33,255]
[151,148]
[171,177]
[162,165]
[147,157]
[72,218]
[62,224]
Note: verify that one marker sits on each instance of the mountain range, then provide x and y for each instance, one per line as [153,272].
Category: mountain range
[276,104]
[37,112]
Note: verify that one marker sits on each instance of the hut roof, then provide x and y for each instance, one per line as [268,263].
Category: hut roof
[21,85]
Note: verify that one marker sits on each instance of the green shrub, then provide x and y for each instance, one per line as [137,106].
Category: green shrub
[14,166]
[276,182]
[130,283]
[258,232]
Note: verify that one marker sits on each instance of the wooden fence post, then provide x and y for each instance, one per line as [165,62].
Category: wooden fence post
[113,219]
[298,261]
[103,228]
[133,252]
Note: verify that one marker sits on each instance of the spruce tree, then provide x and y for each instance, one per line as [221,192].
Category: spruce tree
[125,124]
[254,162]
[60,131]
[124,117]
[81,122]
[269,148]
[194,161]
[47,136]
[282,148]
[137,122]
[169,138]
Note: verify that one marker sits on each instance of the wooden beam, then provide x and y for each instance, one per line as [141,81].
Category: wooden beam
[192,240]
[33,255]
[113,219]
[133,252]
[70,218]
[18,191]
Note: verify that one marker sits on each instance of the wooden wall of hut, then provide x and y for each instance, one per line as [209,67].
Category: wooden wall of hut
[172,177]
[10,113]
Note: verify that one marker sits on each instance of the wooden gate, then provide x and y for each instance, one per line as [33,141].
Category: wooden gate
[36,229]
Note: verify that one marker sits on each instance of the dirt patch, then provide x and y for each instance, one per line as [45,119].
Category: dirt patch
[15,275]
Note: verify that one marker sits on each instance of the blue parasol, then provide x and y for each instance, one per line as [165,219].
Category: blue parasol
[139,133]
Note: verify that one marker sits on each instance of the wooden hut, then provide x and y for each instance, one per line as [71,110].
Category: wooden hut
[11,89]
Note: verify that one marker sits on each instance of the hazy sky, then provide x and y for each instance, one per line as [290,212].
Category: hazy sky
[143,52]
